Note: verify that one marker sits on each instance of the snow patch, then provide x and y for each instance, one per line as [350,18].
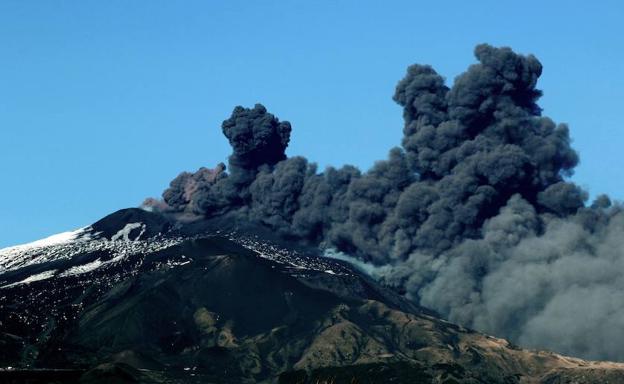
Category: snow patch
[124,233]
[79,269]
[38,277]
[59,238]
[297,264]
[40,250]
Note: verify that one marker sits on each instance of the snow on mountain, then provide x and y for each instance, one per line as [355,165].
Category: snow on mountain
[297,263]
[38,277]
[37,251]
[59,238]
[124,233]
[68,245]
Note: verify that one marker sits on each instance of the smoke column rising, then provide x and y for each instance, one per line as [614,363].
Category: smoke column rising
[472,216]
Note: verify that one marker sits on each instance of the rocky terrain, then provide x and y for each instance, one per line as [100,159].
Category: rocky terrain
[133,298]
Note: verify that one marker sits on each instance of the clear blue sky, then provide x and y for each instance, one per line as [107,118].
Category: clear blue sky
[102,103]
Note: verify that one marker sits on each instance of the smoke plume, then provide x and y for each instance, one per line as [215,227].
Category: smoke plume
[473,216]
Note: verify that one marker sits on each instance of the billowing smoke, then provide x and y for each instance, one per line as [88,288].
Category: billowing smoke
[472,216]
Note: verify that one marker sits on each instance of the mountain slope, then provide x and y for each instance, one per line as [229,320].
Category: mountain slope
[133,297]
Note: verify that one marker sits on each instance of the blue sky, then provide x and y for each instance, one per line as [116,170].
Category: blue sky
[102,103]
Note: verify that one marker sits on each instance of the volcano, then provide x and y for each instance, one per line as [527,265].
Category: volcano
[136,297]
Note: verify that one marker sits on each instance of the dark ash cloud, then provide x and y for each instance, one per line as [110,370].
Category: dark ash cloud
[473,216]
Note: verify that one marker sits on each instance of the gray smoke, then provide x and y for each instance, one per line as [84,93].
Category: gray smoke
[540,280]
[472,216]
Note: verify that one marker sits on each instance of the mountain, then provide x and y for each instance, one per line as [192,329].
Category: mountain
[137,298]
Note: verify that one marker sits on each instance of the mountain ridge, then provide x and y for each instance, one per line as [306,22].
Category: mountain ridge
[135,297]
